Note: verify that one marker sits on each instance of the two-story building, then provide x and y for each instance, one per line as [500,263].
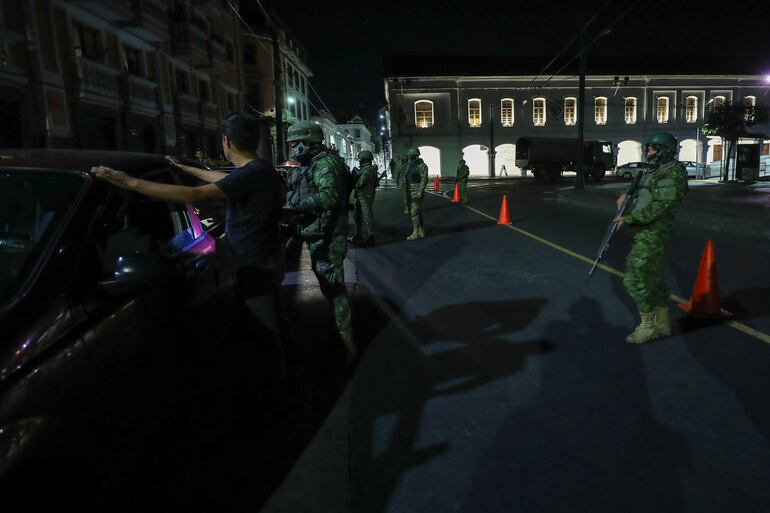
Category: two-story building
[362,136]
[466,107]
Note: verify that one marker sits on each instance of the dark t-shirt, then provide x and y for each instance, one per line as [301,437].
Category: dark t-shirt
[254,201]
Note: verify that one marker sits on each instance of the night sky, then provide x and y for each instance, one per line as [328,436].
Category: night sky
[347,39]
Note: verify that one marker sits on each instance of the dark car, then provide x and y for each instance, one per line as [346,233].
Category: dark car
[629,169]
[101,297]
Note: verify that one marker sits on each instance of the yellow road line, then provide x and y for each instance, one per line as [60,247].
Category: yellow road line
[748,330]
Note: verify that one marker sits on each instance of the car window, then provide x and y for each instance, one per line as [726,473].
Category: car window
[139,224]
[33,205]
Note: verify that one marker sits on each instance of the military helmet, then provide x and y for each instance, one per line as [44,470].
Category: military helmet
[412,152]
[462,162]
[365,155]
[664,139]
[305,131]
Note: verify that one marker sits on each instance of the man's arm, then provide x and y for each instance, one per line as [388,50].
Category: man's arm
[667,194]
[202,174]
[168,192]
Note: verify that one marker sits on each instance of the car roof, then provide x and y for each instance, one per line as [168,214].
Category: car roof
[82,160]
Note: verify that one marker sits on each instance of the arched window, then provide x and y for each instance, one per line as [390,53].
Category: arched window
[506,112]
[662,109]
[751,103]
[474,112]
[538,111]
[570,111]
[718,101]
[423,113]
[691,109]
[600,110]
[630,110]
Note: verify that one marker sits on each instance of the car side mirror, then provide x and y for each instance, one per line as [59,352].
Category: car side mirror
[132,272]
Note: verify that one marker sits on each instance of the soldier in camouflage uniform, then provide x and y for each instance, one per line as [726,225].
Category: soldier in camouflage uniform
[415,177]
[363,198]
[400,172]
[462,180]
[326,231]
[651,218]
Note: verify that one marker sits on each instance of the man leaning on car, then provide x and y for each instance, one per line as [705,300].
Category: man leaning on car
[254,197]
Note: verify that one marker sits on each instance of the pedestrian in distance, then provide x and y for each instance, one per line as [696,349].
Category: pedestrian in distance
[653,207]
[503,171]
[363,199]
[415,177]
[325,225]
[253,195]
[462,175]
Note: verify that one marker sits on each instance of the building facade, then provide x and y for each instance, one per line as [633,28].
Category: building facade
[136,75]
[362,136]
[337,138]
[461,107]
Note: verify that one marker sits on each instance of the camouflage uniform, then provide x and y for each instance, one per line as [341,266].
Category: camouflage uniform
[400,173]
[415,177]
[326,234]
[462,180]
[363,198]
[661,190]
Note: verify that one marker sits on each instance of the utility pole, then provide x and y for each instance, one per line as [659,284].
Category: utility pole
[580,177]
[491,140]
[277,87]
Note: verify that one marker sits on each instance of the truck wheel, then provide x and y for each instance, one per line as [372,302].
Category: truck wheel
[598,172]
[539,175]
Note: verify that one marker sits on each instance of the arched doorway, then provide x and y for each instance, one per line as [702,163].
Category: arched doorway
[629,151]
[477,159]
[506,156]
[432,158]
[688,151]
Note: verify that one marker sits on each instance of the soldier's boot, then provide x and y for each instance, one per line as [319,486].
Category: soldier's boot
[415,234]
[421,232]
[351,353]
[661,321]
[647,331]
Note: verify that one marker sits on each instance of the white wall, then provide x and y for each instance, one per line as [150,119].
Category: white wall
[432,158]
[629,151]
[477,160]
[506,155]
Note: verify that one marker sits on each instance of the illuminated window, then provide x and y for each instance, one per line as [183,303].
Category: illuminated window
[719,101]
[662,109]
[600,111]
[751,103]
[506,112]
[691,109]
[538,111]
[570,111]
[423,113]
[630,111]
[474,112]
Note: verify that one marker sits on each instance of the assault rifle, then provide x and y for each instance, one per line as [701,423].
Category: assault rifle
[631,194]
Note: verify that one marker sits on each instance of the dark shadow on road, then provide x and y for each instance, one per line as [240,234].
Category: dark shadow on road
[583,443]
[452,350]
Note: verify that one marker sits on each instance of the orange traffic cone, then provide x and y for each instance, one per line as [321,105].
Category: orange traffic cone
[456,198]
[504,219]
[436,184]
[704,301]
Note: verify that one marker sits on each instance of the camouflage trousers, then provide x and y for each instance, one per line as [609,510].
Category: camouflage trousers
[404,194]
[415,207]
[644,270]
[326,258]
[463,186]
[363,214]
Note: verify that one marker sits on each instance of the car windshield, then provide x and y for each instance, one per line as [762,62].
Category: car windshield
[32,206]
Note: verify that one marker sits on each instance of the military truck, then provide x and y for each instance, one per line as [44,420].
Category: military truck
[548,157]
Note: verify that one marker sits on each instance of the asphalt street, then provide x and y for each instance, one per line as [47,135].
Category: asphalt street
[502,381]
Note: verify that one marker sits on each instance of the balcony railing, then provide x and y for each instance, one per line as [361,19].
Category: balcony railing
[140,91]
[149,21]
[95,81]
[189,43]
